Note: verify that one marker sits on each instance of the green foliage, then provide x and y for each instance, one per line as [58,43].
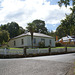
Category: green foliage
[67,26]
[41,45]
[66,2]
[16,48]
[40,26]
[58,44]
[13,28]
[53,34]
[31,27]
[21,30]
[4,36]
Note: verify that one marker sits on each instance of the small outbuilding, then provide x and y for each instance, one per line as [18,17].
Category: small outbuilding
[70,40]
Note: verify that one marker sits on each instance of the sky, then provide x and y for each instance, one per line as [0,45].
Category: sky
[25,11]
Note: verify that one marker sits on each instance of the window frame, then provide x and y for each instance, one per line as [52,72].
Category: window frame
[22,41]
[50,41]
[34,40]
[14,43]
[43,40]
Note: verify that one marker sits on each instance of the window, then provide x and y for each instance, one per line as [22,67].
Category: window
[50,42]
[22,41]
[14,43]
[43,40]
[34,40]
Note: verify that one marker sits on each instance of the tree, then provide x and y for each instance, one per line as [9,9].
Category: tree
[21,30]
[53,34]
[66,2]
[1,39]
[31,28]
[13,28]
[4,36]
[40,26]
[67,26]
[60,31]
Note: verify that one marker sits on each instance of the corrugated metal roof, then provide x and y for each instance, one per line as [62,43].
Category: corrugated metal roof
[34,34]
[67,38]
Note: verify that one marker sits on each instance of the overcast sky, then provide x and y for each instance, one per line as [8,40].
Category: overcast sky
[25,11]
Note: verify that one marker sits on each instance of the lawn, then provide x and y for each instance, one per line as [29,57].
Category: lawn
[47,48]
[10,48]
[15,48]
[64,47]
[39,48]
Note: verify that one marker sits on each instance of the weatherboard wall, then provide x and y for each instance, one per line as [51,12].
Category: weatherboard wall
[27,41]
[18,42]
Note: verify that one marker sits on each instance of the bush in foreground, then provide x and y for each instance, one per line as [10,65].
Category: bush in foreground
[58,44]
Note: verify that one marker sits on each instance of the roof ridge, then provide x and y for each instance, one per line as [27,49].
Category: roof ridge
[34,34]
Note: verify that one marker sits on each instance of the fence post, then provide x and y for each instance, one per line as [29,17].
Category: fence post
[38,51]
[65,49]
[5,51]
[25,51]
[49,50]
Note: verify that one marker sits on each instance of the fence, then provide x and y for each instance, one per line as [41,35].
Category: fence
[62,50]
[58,50]
[70,49]
[37,51]
[11,51]
[34,51]
[52,51]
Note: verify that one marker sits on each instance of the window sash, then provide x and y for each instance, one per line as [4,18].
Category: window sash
[50,42]
[43,40]
[14,43]
[34,40]
[22,41]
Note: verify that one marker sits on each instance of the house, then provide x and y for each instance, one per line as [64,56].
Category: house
[25,40]
[70,40]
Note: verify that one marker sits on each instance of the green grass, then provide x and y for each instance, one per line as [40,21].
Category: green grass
[39,48]
[10,48]
[59,47]
[15,48]
[47,48]
[64,47]
[71,47]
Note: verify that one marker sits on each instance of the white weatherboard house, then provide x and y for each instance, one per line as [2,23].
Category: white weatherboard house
[25,40]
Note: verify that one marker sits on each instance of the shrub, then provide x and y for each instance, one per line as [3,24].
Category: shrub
[41,44]
[58,44]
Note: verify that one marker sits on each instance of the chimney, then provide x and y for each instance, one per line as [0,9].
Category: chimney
[56,38]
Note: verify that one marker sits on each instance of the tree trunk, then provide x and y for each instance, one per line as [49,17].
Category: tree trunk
[66,49]
[49,50]
[32,39]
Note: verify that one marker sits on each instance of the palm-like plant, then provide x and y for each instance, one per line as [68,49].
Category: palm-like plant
[31,28]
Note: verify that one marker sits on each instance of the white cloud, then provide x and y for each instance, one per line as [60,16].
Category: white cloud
[25,11]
